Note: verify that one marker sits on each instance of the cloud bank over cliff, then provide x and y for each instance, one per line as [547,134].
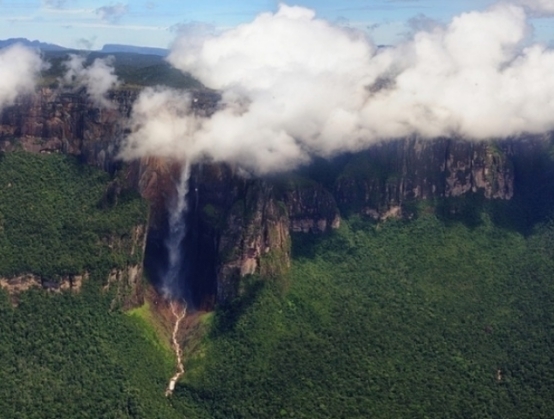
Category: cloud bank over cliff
[294,86]
[98,78]
[19,70]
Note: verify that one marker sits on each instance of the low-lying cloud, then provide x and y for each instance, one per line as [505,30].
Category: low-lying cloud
[20,68]
[112,13]
[294,86]
[98,78]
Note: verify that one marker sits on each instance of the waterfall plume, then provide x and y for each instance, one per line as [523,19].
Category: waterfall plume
[172,287]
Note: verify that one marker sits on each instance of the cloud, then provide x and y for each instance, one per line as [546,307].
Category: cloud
[98,78]
[112,13]
[55,4]
[166,115]
[19,69]
[538,7]
[422,23]
[86,43]
[294,86]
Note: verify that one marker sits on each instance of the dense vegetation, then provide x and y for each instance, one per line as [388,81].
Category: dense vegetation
[68,356]
[417,319]
[438,317]
[133,70]
[56,218]
[72,355]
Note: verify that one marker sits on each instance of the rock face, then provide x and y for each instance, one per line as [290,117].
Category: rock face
[54,121]
[126,280]
[66,121]
[379,181]
[311,208]
[242,226]
[24,282]
[239,225]
[255,239]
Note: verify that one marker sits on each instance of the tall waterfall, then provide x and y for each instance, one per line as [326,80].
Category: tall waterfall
[171,288]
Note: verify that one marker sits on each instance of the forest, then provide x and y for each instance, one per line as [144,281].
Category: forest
[433,317]
[72,354]
[418,319]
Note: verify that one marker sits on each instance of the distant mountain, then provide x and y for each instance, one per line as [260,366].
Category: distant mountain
[114,48]
[33,44]
[107,48]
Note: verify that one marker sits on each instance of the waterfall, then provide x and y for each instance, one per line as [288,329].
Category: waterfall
[171,289]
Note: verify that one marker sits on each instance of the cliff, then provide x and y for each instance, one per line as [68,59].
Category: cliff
[240,225]
[379,181]
[55,121]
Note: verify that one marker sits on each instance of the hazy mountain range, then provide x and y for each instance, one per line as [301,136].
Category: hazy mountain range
[108,48]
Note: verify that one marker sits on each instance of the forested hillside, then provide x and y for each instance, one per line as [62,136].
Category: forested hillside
[405,319]
[445,315]
[72,354]
[57,217]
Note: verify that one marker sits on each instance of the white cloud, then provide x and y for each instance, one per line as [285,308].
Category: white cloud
[294,86]
[19,70]
[98,78]
[113,12]
[538,7]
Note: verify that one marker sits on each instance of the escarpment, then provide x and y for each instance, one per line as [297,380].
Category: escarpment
[239,225]
[66,122]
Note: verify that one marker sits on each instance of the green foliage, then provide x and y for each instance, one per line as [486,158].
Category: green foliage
[52,221]
[67,355]
[445,316]
[152,330]
[70,354]
[407,319]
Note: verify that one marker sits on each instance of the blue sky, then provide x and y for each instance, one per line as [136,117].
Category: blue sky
[91,24]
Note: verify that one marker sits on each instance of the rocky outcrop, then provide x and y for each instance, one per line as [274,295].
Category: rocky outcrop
[24,282]
[242,225]
[125,281]
[67,121]
[255,240]
[379,181]
[311,208]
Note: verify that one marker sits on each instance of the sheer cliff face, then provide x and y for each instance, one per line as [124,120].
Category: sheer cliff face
[379,181]
[51,121]
[239,226]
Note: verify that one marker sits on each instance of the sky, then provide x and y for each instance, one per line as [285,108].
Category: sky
[88,24]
